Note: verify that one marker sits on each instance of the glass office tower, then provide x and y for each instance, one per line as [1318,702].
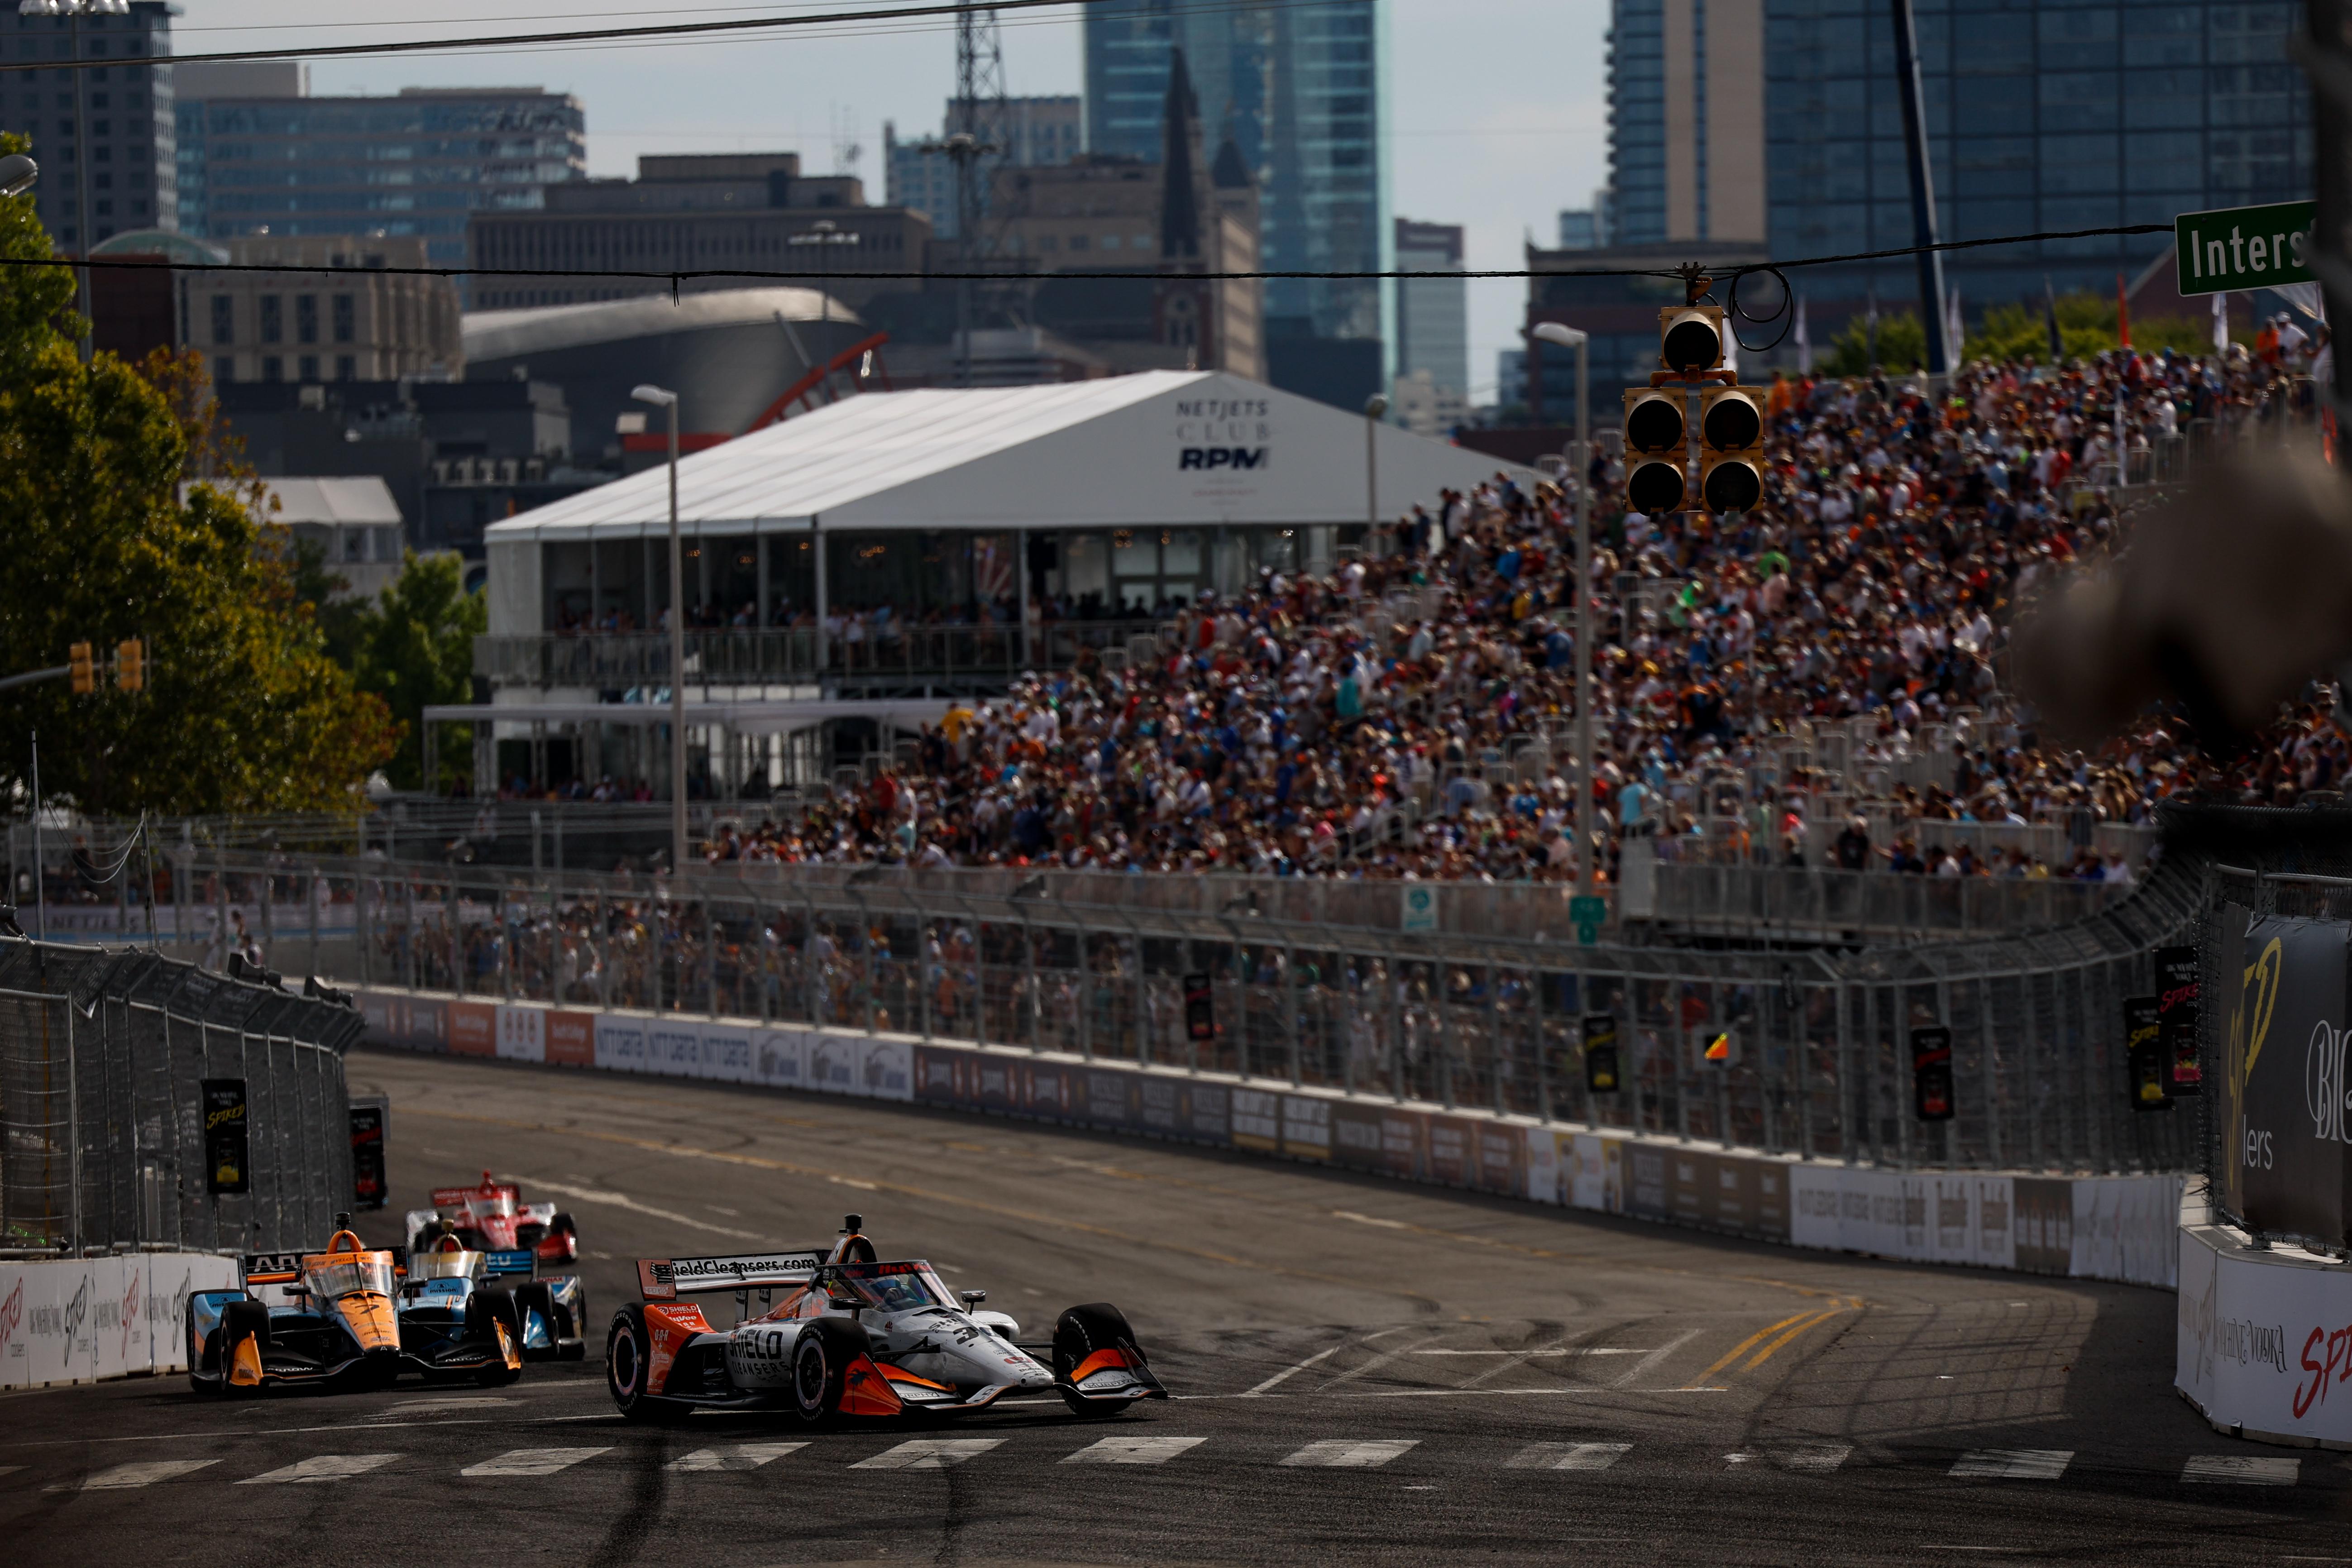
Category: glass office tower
[1299,91]
[126,108]
[2041,116]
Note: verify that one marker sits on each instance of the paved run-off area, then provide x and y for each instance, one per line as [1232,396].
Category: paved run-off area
[1364,1371]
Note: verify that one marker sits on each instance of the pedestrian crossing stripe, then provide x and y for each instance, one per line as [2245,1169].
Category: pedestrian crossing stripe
[2013,1464]
[1133,1451]
[2241,1470]
[1567,1455]
[735,1456]
[929,1454]
[1345,1454]
[121,1478]
[533,1461]
[322,1468]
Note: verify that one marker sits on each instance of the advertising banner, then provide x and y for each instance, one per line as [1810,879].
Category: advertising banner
[570,1039]
[370,1184]
[2285,1106]
[621,1043]
[228,1168]
[522,1034]
[2178,982]
[76,1321]
[1305,1127]
[473,1029]
[2263,1342]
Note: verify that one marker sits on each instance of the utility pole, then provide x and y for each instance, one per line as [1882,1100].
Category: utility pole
[1923,188]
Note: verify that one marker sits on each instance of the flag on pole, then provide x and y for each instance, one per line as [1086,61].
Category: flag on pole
[2123,314]
[2222,322]
[1954,328]
[2049,318]
[1804,340]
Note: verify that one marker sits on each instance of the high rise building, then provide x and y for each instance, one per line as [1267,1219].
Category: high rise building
[126,110]
[1686,117]
[415,165]
[1432,315]
[1586,228]
[1298,92]
[1032,132]
[2049,117]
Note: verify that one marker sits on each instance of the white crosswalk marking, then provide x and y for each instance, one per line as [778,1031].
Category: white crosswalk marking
[929,1454]
[2241,1470]
[1345,1454]
[531,1461]
[2013,1464]
[145,1474]
[322,1468]
[1133,1451]
[736,1457]
[1567,1457]
[1817,1455]
[10,1469]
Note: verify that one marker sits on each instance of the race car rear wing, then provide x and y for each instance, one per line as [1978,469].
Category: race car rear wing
[666,1278]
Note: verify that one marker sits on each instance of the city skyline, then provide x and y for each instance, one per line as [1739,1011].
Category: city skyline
[1498,122]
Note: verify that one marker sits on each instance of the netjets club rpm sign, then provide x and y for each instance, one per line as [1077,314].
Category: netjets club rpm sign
[1224,436]
[2243,247]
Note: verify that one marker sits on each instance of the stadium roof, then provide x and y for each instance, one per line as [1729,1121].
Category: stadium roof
[1162,448]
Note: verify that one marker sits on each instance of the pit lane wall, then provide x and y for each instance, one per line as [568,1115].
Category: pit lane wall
[2096,1227]
[81,1320]
[2264,1339]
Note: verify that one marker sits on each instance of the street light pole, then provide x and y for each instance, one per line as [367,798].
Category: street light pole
[665,400]
[1375,407]
[1580,480]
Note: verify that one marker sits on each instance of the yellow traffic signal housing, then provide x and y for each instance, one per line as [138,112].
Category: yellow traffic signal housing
[131,666]
[1656,447]
[1690,338]
[1731,448]
[83,667]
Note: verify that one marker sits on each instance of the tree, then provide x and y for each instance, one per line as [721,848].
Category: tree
[2019,331]
[243,710]
[415,645]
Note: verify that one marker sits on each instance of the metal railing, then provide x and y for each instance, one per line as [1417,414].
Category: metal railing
[1103,967]
[900,653]
[104,1061]
[1823,904]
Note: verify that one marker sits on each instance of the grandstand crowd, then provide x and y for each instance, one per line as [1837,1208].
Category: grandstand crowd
[1409,714]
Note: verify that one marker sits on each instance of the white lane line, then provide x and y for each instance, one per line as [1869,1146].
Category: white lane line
[2241,1470]
[322,1468]
[1504,1392]
[257,1432]
[623,1201]
[929,1454]
[1567,1457]
[420,1407]
[1287,1373]
[2013,1464]
[1344,1454]
[533,1461]
[146,1474]
[1353,1373]
[1133,1451]
[10,1469]
[736,1457]
[1656,1359]
[1555,1350]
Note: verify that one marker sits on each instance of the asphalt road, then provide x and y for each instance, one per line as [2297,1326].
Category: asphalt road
[1364,1372]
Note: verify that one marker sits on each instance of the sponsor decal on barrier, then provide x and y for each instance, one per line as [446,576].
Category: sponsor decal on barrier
[473,1029]
[228,1168]
[522,1033]
[1257,1121]
[674,1051]
[78,1321]
[570,1039]
[727,1053]
[621,1043]
[1449,1150]
[1305,1127]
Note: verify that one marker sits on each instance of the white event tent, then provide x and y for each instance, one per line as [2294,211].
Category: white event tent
[1152,485]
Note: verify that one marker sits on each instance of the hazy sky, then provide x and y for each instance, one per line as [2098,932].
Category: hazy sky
[1496,106]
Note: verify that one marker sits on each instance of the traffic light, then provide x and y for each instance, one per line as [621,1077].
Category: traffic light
[1931,1074]
[1690,338]
[84,669]
[1656,450]
[131,666]
[1731,448]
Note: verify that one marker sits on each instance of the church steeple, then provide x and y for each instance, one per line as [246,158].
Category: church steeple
[1180,156]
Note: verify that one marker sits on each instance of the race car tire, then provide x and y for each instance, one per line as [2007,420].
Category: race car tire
[1081,1332]
[240,1320]
[533,1296]
[821,1361]
[628,1368]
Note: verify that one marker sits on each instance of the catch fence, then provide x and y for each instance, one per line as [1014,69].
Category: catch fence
[125,1078]
[1815,1045]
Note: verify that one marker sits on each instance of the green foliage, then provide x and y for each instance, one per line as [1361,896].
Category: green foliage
[2018,331]
[243,708]
[415,645]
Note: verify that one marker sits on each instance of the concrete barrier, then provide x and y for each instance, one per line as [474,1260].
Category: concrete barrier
[2265,1337]
[2094,1227]
[81,1320]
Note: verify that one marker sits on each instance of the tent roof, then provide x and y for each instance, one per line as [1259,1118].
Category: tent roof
[1162,448]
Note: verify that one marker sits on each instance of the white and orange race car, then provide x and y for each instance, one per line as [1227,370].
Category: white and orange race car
[852,1335]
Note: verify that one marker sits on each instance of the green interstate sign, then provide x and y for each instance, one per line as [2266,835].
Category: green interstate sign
[2243,247]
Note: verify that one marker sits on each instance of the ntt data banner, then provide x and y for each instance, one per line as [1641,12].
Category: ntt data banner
[2099,1227]
[2286,1104]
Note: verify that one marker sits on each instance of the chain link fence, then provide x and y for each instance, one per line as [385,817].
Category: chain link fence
[1813,1046]
[122,1072]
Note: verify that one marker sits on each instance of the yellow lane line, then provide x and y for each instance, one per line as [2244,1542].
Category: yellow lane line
[1735,1351]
